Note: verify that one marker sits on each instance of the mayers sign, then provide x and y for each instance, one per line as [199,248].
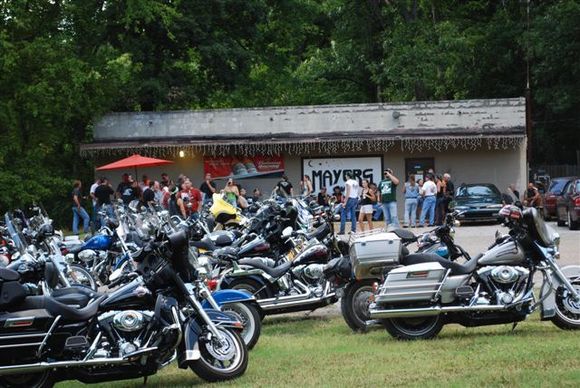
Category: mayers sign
[329,172]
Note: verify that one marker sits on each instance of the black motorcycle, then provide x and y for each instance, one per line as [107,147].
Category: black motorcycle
[132,332]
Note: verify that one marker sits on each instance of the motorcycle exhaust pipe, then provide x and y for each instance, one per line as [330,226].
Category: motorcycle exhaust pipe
[43,366]
[430,311]
[304,301]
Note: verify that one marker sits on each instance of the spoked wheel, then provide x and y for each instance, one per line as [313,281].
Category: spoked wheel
[223,359]
[31,380]
[355,305]
[414,328]
[567,309]
[78,276]
[248,314]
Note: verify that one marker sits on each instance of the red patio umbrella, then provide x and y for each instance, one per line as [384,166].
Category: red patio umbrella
[134,161]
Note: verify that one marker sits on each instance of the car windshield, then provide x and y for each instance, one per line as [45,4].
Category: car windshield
[477,191]
[557,186]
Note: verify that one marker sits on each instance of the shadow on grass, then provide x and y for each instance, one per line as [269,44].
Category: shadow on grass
[271,321]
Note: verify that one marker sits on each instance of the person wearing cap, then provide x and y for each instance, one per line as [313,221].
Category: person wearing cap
[388,191]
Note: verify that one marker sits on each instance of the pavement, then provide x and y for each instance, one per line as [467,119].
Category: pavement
[474,239]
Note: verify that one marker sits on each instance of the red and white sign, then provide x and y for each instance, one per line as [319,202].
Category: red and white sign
[240,167]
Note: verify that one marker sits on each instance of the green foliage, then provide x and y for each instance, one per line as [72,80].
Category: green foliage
[65,63]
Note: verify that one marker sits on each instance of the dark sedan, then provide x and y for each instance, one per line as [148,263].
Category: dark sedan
[555,191]
[479,202]
[569,205]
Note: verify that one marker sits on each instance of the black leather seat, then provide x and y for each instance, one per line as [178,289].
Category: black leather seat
[56,308]
[406,236]
[274,272]
[75,248]
[319,233]
[74,296]
[202,244]
[9,275]
[456,268]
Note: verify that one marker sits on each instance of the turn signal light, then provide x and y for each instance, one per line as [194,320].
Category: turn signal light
[577,202]
[211,284]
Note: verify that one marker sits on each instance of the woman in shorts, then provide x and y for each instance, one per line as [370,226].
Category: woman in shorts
[367,199]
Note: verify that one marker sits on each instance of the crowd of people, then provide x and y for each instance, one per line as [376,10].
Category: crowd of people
[179,197]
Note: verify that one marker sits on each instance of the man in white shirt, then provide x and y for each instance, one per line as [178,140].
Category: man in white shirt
[92,194]
[349,203]
[429,192]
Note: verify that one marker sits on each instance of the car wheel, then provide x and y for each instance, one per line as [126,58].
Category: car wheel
[572,225]
[559,222]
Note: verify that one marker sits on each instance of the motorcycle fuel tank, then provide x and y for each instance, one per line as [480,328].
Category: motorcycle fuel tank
[98,243]
[317,253]
[508,252]
[131,295]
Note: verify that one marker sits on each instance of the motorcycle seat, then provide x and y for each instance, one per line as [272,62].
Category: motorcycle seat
[56,308]
[274,272]
[456,268]
[319,233]
[75,296]
[208,246]
[9,275]
[406,236]
[75,249]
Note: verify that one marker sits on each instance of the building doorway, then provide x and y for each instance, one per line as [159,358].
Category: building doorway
[419,167]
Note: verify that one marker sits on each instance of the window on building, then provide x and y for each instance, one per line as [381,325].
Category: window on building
[418,166]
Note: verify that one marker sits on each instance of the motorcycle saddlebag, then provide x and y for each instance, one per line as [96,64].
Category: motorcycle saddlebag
[11,291]
[413,283]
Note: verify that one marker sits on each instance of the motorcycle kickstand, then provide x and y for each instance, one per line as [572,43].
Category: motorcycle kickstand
[145,380]
[514,326]
[307,314]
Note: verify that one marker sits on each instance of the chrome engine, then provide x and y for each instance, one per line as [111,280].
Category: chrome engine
[505,283]
[128,329]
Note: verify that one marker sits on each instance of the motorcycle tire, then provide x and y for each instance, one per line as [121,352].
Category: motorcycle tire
[410,329]
[567,310]
[29,380]
[252,287]
[211,369]
[81,277]
[354,305]
[249,315]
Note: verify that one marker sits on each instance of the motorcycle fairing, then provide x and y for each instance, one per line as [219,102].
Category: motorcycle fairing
[548,305]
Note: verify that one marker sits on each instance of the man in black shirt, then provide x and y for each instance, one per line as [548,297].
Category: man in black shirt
[323,197]
[149,194]
[207,188]
[103,194]
[125,190]
[284,188]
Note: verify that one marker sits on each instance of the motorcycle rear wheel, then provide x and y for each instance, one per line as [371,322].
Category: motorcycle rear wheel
[212,369]
[250,317]
[29,380]
[79,276]
[414,328]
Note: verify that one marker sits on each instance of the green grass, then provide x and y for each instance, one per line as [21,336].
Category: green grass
[296,351]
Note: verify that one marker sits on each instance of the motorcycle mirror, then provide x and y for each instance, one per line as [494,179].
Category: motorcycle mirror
[456,223]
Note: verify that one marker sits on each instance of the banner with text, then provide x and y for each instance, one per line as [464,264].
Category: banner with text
[329,172]
[240,167]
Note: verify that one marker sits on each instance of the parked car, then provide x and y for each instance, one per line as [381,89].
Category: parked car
[568,205]
[478,202]
[555,191]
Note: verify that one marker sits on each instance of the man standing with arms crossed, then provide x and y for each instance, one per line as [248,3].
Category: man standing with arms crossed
[388,191]
[349,203]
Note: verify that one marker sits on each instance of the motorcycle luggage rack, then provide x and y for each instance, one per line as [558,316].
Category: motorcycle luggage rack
[354,236]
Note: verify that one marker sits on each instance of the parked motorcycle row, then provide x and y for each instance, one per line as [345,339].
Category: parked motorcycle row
[148,289]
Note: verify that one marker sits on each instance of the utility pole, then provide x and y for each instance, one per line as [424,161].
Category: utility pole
[528,93]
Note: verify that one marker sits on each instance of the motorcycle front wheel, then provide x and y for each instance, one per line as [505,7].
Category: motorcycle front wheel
[567,309]
[79,276]
[30,380]
[413,328]
[248,314]
[222,360]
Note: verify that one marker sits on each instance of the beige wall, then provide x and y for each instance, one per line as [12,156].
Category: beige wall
[500,167]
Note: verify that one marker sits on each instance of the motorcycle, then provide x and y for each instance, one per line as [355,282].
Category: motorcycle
[132,332]
[417,299]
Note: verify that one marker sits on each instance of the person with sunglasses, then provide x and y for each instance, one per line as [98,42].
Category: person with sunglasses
[388,192]
[232,193]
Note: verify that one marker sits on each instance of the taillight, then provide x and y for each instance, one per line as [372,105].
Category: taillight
[211,284]
[577,202]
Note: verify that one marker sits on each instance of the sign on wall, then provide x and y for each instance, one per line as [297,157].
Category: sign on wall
[329,172]
[240,167]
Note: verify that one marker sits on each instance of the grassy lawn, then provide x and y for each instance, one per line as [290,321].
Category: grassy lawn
[296,351]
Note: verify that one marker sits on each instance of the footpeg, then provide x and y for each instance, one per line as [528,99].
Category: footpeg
[76,343]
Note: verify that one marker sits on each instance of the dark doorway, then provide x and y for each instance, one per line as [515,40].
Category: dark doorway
[418,166]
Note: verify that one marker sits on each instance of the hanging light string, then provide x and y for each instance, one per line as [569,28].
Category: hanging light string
[308,146]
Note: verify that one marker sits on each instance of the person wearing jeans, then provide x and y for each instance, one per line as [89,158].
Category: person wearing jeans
[78,210]
[429,190]
[411,199]
[349,204]
[388,193]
